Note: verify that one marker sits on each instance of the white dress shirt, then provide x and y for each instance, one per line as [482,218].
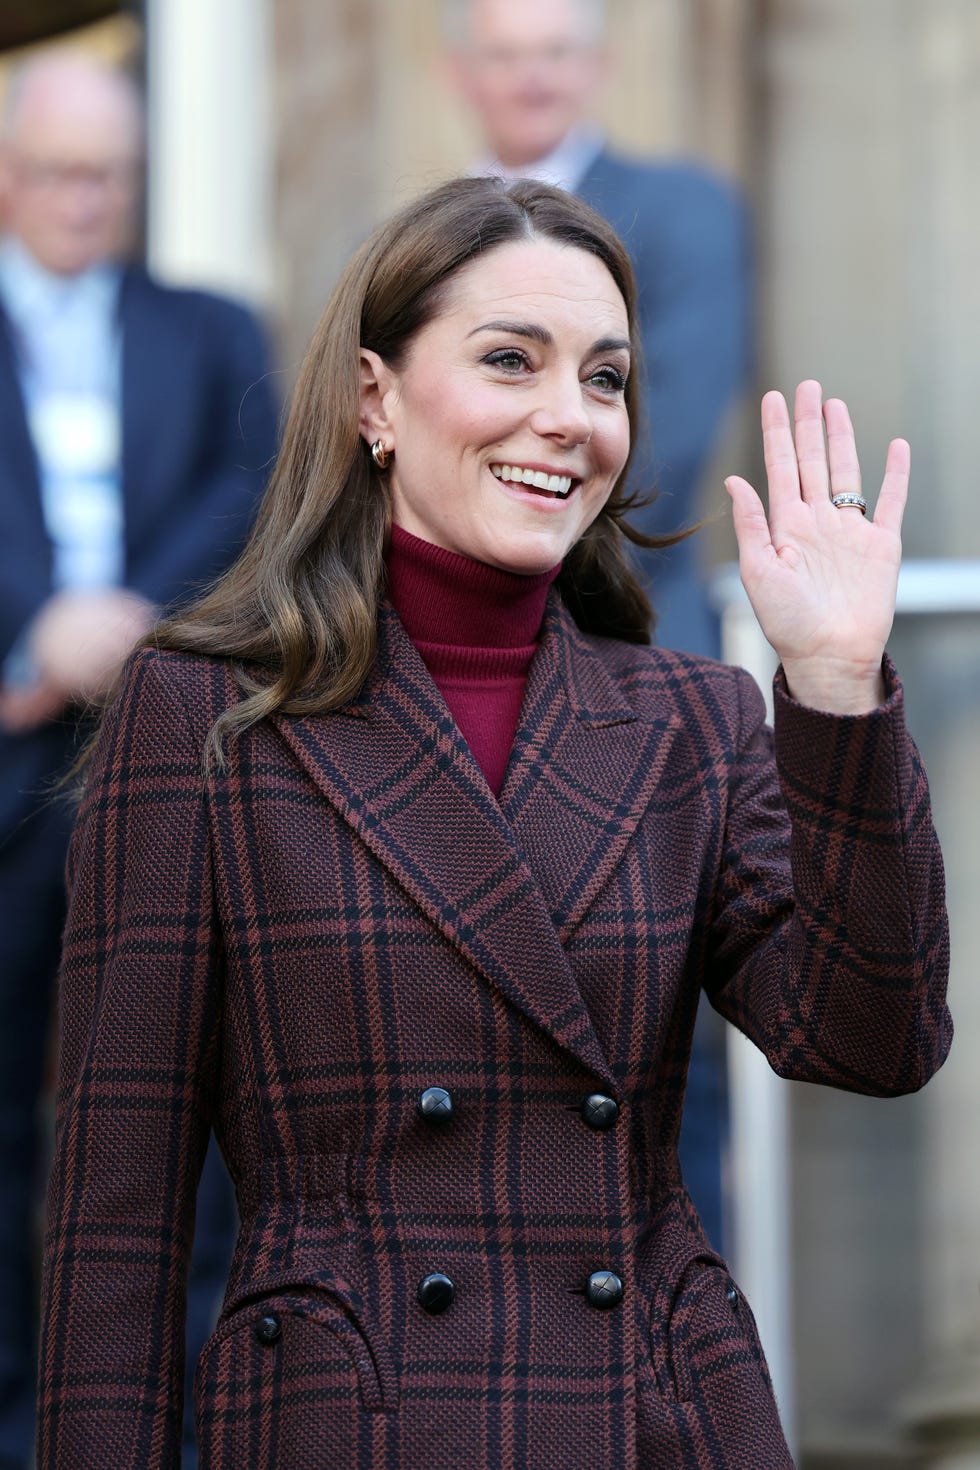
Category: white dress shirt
[68,358]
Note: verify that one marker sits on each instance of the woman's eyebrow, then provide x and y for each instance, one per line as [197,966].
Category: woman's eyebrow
[536,333]
[612,344]
[517,329]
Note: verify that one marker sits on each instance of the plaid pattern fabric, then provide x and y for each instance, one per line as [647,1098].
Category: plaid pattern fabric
[345,918]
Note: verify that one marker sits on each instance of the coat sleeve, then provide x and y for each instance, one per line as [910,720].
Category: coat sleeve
[138,1028]
[830,944]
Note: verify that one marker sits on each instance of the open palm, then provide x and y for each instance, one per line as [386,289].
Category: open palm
[821,579]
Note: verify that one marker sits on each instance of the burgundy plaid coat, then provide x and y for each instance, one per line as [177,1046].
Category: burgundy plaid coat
[347,919]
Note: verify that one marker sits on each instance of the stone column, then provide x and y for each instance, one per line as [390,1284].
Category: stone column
[210,144]
[329,191]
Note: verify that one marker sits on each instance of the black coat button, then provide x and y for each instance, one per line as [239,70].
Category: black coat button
[268,1329]
[604,1290]
[599,1111]
[435,1292]
[731,1295]
[436,1106]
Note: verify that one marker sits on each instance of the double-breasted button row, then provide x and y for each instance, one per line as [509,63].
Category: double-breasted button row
[436,1291]
[600,1112]
[603,1289]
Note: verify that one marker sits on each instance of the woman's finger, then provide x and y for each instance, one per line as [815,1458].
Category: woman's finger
[845,471]
[749,518]
[811,451]
[894,487]
[780,454]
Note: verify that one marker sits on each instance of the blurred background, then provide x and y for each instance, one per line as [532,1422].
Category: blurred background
[280,131]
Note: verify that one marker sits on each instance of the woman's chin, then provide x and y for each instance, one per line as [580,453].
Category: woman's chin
[524,554]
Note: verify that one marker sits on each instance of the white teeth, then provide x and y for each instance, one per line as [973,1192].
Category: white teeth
[555,484]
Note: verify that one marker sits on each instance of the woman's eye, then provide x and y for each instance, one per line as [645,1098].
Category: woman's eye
[508,358]
[608,378]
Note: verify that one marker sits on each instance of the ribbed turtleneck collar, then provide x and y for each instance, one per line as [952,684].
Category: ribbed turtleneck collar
[443,598]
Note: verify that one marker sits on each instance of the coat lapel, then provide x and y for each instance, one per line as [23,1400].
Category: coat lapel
[582,772]
[397,769]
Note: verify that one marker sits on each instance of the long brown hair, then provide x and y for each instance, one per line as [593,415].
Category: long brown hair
[297,613]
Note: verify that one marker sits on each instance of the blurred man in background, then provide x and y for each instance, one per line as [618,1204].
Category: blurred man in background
[136,434]
[531,73]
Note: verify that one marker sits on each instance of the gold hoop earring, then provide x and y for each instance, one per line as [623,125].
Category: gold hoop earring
[380,454]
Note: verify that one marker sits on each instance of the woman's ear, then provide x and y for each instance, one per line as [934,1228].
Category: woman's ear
[377,382]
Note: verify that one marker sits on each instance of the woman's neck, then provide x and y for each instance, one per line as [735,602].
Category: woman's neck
[444,598]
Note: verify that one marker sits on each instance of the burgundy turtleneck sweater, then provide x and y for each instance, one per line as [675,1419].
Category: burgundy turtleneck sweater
[476,629]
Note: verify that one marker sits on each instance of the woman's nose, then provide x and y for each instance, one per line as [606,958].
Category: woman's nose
[561,412]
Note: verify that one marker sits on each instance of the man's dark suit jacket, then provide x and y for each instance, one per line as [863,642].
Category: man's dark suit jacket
[345,917]
[687,236]
[198,438]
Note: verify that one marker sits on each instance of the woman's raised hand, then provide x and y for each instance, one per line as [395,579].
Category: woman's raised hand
[821,579]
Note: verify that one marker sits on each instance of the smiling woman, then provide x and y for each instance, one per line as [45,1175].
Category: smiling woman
[401,863]
[482,327]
